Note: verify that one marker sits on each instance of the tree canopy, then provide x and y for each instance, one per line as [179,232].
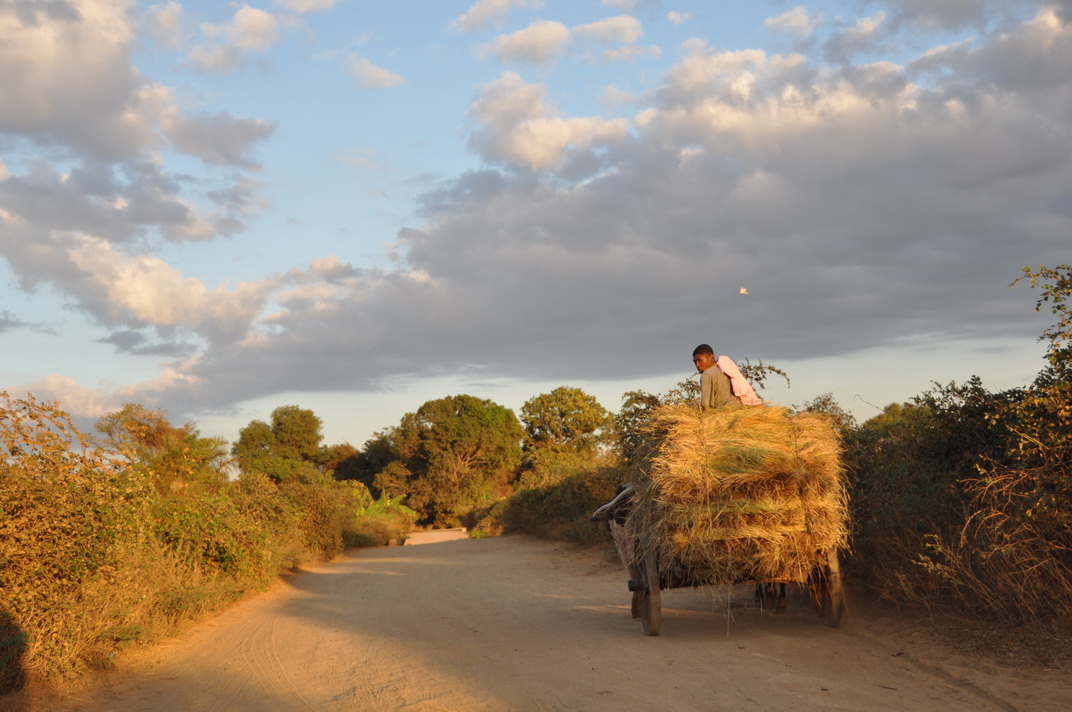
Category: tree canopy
[566,419]
[449,456]
[288,448]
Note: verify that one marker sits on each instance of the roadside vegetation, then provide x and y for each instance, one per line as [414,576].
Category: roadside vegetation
[961,500]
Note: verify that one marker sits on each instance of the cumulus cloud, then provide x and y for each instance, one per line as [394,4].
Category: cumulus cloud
[538,43]
[678,18]
[75,398]
[118,204]
[164,23]
[623,28]
[369,76]
[859,38]
[135,291]
[518,126]
[67,77]
[797,21]
[219,139]
[486,12]
[229,45]
[543,40]
[306,6]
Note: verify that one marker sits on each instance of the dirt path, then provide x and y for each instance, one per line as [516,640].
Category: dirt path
[520,624]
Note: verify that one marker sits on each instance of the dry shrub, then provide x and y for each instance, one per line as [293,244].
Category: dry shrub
[733,494]
[93,557]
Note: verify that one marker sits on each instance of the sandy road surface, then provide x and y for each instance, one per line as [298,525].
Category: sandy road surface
[520,624]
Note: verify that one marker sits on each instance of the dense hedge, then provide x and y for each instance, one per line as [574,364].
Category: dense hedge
[963,499]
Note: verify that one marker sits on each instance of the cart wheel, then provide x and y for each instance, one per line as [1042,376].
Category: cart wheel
[649,599]
[824,585]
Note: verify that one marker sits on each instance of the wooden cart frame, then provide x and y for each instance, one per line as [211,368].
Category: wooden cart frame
[649,576]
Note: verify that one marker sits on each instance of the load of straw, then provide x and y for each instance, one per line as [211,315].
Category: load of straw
[740,494]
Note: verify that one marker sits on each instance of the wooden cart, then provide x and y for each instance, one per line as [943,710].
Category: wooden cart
[649,575]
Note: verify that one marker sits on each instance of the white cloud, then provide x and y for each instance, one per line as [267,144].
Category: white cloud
[250,30]
[370,76]
[75,398]
[143,290]
[623,28]
[220,139]
[538,43]
[306,6]
[860,38]
[678,18]
[487,12]
[797,21]
[517,125]
[66,76]
[164,22]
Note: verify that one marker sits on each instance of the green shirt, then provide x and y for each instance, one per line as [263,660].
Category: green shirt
[715,390]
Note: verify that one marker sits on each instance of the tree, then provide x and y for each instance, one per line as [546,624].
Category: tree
[566,419]
[289,448]
[842,420]
[297,432]
[175,456]
[1056,285]
[452,455]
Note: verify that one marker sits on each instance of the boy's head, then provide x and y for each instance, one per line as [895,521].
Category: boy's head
[703,356]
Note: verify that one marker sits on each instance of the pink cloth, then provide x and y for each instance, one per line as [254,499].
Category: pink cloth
[738,383]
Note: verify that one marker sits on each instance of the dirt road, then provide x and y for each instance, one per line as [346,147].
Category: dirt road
[521,624]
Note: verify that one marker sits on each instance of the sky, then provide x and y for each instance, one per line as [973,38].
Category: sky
[356,207]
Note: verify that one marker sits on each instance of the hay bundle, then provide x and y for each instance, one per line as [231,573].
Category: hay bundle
[734,494]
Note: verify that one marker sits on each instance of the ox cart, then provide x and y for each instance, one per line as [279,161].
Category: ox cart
[751,496]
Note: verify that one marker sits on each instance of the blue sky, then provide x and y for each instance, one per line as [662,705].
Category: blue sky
[216,209]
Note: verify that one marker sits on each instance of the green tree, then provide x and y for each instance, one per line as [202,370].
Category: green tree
[297,432]
[287,449]
[377,453]
[565,432]
[566,419]
[451,456]
[630,420]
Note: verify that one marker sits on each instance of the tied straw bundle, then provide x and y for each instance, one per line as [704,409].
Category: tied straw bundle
[737,494]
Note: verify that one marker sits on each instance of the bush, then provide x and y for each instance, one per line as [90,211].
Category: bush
[1012,556]
[381,521]
[94,557]
[563,510]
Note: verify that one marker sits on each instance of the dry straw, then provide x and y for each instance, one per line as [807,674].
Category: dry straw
[740,494]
